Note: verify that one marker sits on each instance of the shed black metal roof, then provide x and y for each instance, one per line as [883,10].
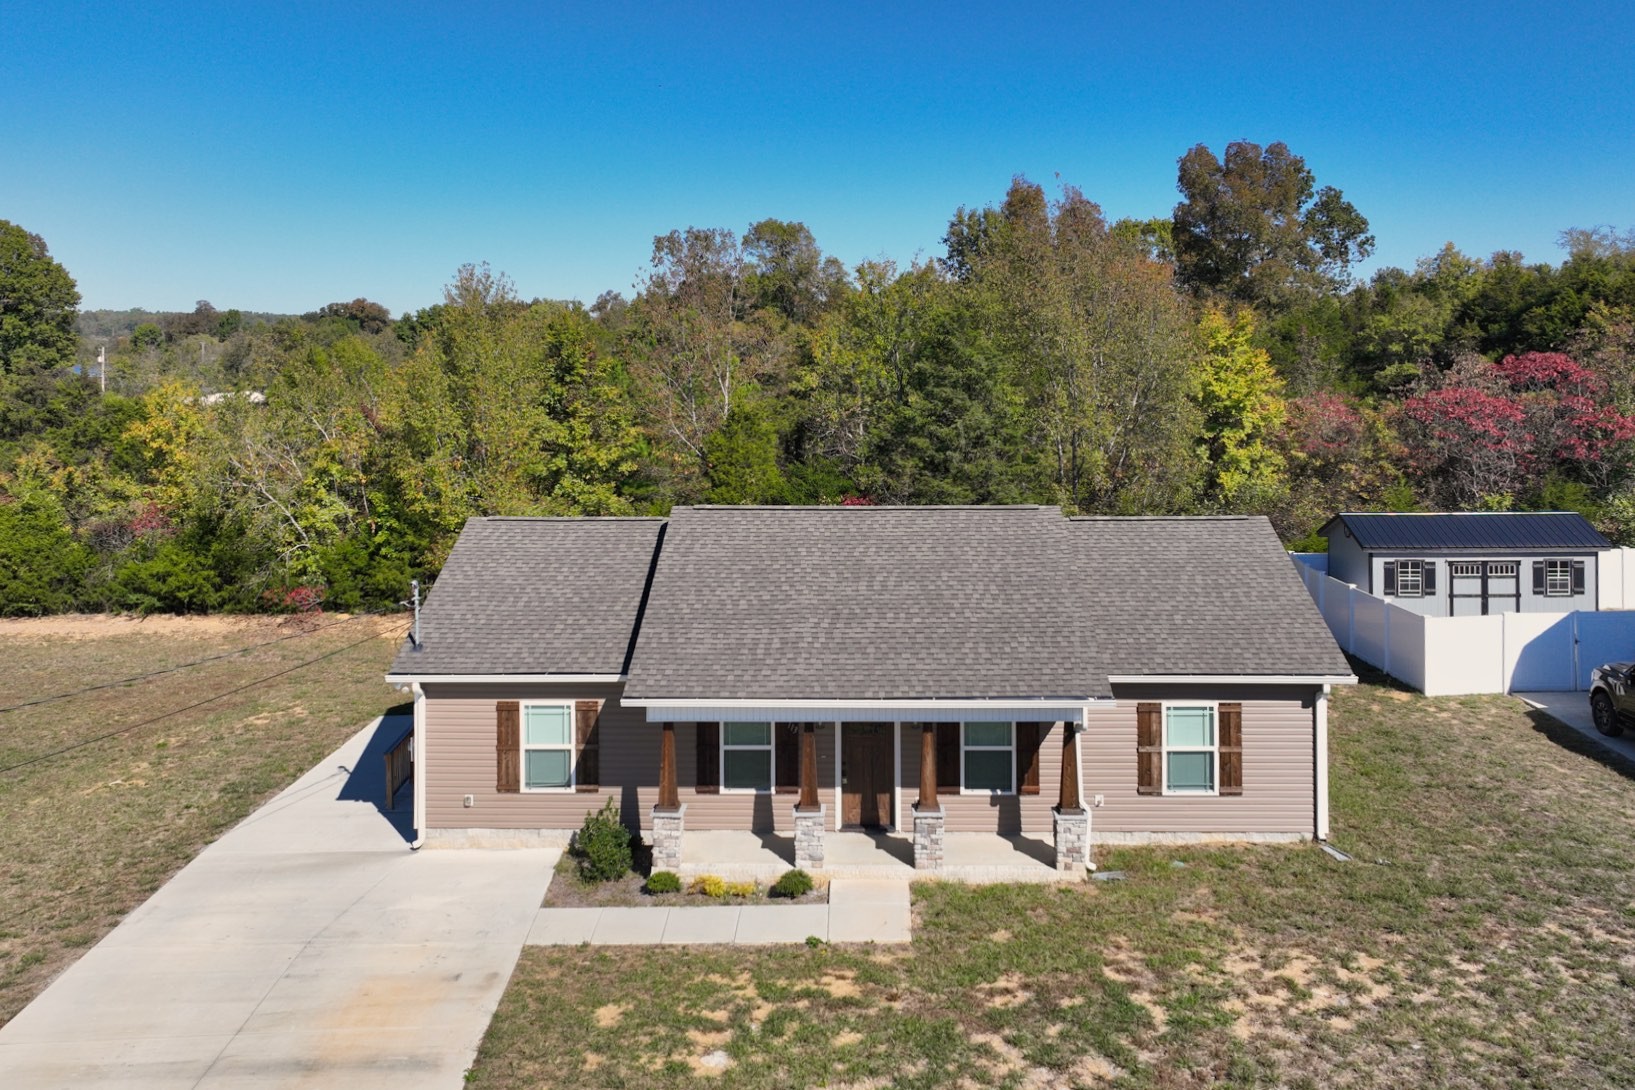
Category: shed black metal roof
[1485,530]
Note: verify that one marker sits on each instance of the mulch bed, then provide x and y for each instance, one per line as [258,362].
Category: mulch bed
[568,890]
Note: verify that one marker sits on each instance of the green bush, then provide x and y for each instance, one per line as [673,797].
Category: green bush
[602,846]
[663,881]
[795,883]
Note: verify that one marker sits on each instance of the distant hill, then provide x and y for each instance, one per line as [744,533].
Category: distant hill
[120,323]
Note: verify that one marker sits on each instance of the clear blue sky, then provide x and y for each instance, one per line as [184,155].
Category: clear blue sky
[278,157]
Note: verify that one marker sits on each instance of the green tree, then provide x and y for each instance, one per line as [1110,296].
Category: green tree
[38,305]
[1240,396]
[743,458]
[1254,228]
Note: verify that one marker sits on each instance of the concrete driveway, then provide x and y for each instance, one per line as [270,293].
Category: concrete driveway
[1573,709]
[307,947]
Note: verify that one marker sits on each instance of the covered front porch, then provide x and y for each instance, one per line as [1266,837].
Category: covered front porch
[966,857]
[906,795]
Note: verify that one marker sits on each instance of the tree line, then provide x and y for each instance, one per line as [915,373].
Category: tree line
[1221,359]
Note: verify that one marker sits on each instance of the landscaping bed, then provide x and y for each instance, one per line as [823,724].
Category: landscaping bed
[568,889]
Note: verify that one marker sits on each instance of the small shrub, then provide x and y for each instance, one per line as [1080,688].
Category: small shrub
[795,883]
[663,881]
[708,885]
[602,846]
[741,889]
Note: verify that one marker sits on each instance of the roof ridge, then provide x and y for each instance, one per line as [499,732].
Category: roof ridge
[866,507]
[568,518]
[1164,518]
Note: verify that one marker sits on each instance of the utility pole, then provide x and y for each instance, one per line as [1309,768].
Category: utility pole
[102,366]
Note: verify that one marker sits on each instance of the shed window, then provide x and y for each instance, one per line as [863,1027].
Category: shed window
[1410,579]
[1558,578]
[547,747]
[1190,750]
[988,757]
[746,756]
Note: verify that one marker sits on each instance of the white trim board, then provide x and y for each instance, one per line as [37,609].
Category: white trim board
[1233,679]
[504,679]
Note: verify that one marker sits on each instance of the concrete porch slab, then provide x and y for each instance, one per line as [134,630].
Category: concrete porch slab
[967,857]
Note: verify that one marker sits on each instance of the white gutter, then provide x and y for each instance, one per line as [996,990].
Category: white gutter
[419,766]
[503,679]
[1321,718]
[1232,679]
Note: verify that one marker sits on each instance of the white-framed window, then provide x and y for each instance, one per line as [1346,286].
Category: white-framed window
[1410,579]
[1558,578]
[1191,749]
[746,757]
[987,758]
[1501,569]
[1465,569]
[547,747]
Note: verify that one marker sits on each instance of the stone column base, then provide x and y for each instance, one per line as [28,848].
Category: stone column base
[1072,829]
[667,825]
[809,838]
[928,832]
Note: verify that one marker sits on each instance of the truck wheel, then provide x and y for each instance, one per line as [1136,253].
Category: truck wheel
[1606,717]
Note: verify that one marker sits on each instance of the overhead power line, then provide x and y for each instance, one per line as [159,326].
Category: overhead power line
[187,665]
[198,703]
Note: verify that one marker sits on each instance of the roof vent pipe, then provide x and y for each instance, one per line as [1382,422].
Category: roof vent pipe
[414,598]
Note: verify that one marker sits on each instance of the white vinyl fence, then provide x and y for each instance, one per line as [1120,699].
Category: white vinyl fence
[1500,653]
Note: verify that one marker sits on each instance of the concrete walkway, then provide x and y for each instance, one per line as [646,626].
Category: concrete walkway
[307,947]
[859,910]
[1573,709]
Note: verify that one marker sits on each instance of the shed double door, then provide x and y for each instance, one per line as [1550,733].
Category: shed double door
[1477,588]
[866,763]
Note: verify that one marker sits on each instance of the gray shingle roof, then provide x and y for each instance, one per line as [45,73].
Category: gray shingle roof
[866,603]
[1201,596]
[1484,530]
[536,596]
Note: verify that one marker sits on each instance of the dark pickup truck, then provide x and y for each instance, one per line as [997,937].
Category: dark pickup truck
[1612,697]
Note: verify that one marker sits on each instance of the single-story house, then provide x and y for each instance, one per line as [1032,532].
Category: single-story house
[801,670]
[1469,564]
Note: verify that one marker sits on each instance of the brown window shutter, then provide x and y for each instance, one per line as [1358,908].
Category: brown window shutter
[508,747]
[1028,736]
[709,759]
[587,716]
[1149,749]
[787,748]
[948,779]
[1231,739]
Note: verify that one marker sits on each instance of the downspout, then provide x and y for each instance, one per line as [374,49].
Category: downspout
[419,766]
[1321,717]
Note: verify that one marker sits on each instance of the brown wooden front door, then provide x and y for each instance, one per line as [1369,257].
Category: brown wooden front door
[865,775]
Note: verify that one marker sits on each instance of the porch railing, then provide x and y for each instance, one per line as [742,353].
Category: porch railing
[399,766]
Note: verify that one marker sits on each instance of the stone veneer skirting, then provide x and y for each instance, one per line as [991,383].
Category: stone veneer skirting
[929,827]
[809,838]
[667,828]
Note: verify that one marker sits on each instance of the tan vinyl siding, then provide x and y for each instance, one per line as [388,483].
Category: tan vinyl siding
[459,761]
[1279,734]
[1004,814]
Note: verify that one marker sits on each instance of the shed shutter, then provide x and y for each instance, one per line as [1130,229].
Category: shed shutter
[508,746]
[1390,577]
[1149,749]
[948,778]
[587,716]
[787,747]
[709,759]
[1538,577]
[1231,740]
[1578,577]
[1430,576]
[1028,736]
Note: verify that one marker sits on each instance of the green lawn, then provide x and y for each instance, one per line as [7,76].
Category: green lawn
[87,836]
[1484,937]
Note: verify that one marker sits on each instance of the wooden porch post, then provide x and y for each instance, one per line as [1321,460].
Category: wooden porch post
[1069,798]
[808,768]
[669,799]
[928,769]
